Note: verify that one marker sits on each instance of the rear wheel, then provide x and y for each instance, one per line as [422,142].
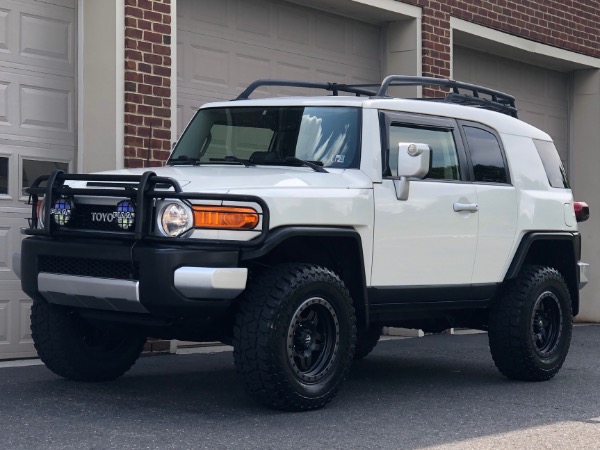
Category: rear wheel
[530,326]
[294,337]
[76,349]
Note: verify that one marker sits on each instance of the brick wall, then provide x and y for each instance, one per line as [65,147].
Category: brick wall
[147,81]
[571,25]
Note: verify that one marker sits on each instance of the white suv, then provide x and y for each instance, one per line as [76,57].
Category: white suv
[295,228]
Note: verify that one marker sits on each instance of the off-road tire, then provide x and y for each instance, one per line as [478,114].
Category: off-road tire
[537,300]
[273,327]
[366,340]
[78,350]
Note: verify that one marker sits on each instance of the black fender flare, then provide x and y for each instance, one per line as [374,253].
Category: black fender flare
[528,240]
[279,235]
[535,236]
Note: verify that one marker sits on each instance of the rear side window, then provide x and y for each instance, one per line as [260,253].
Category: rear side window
[555,171]
[486,155]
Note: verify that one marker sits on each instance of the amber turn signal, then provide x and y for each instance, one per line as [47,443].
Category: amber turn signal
[225,217]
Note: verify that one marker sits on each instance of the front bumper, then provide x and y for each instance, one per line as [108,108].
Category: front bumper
[163,280]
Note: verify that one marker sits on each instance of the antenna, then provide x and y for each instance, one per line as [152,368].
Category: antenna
[149,146]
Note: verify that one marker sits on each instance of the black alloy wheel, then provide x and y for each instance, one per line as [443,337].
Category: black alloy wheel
[530,325]
[294,336]
[545,323]
[313,340]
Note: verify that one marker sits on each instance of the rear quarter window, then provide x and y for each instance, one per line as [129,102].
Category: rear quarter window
[555,171]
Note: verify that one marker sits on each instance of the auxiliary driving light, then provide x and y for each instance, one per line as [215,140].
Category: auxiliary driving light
[125,214]
[61,211]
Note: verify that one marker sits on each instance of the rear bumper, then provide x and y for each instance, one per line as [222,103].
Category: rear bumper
[163,280]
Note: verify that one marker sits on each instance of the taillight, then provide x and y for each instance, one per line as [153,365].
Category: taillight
[582,211]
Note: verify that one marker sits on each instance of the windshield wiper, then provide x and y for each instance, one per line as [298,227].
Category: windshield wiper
[183,160]
[315,165]
[234,159]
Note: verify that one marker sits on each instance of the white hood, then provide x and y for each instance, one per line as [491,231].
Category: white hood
[223,179]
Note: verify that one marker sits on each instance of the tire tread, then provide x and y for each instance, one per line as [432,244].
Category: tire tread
[261,373]
[511,352]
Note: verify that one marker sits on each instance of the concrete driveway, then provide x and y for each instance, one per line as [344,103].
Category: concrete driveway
[438,391]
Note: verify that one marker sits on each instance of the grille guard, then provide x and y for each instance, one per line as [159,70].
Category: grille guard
[143,195]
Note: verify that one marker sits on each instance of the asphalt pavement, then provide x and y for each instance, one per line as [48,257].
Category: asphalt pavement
[439,391]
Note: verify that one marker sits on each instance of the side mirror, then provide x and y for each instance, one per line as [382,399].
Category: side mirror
[414,161]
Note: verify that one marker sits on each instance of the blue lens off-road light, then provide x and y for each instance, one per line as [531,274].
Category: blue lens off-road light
[61,211]
[125,214]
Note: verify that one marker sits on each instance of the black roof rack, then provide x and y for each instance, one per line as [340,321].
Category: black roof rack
[357,89]
[497,101]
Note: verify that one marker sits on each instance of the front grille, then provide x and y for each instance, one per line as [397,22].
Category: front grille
[101,268]
[81,218]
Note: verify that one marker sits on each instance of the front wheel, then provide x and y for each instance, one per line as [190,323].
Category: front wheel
[294,337]
[79,350]
[531,324]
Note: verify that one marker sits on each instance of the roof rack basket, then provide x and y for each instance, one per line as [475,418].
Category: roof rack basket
[497,101]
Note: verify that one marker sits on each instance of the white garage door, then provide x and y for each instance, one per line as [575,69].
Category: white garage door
[37,133]
[542,94]
[224,45]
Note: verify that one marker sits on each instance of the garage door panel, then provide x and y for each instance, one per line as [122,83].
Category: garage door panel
[47,109]
[38,35]
[24,330]
[291,71]
[255,18]
[213,14]
[368,76]
[330,73]
[251,67]
[5,323]
[4,30]
[330,34]
[8,243]
[209,66]
[46,38]
[37,107]
[366,40]
[4,85]
[15,333]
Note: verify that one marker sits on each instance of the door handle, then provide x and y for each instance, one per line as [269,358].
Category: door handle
[469,207]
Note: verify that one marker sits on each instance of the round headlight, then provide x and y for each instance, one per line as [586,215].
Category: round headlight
[175,219]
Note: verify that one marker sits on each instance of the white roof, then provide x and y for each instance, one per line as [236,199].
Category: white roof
[500,122]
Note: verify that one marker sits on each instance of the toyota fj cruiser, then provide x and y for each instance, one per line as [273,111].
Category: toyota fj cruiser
[295,228]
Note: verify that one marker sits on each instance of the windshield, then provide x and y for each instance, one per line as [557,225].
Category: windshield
[268,135]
